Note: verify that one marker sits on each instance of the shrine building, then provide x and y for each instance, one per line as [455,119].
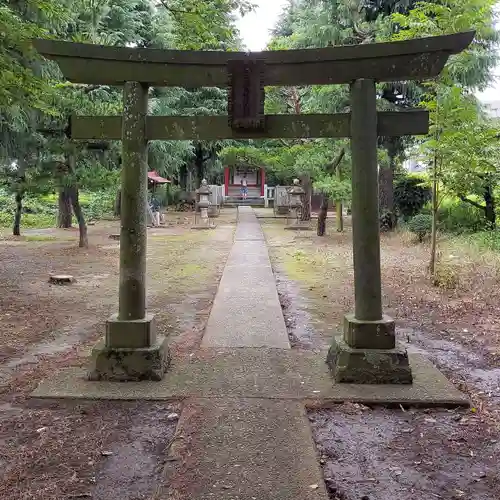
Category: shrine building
[256,180]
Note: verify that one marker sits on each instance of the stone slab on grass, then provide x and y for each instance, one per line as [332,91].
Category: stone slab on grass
[245,450]
[260,373]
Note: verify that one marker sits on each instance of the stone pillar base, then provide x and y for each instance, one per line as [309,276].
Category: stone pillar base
[368,366]
[131,334]
[130,352]
[370,334]
[117,364]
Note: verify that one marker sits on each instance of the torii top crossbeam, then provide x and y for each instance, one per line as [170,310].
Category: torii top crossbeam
[391,61]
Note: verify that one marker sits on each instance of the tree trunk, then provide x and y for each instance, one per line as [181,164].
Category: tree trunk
[183,177]
[75,203]
[305,180]
[199,163]
[16,231]
[82,226]
[323,213]
[489,209]
[435,207]
[65,214]
[339,215]
[386,193]
[118,203]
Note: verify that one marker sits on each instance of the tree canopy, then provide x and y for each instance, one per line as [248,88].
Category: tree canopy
[35,101]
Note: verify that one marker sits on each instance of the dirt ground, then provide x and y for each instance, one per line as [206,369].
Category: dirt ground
[380,453]
[109,450]
[97,450]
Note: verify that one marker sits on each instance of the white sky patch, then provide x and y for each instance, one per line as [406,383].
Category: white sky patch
[255,31]
[255,27]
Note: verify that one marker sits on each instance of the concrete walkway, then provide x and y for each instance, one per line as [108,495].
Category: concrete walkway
[246,311]
[240,448]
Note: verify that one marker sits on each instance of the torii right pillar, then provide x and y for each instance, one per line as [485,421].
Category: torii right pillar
[367,353]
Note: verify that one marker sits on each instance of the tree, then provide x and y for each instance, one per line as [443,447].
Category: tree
[448,98]
[463,152]
[39,140]
[411,193]
[196,25]
[332,188]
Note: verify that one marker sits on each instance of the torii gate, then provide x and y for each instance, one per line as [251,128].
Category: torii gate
[367,352]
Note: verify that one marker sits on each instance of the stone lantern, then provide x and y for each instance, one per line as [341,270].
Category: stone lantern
[296,193]
[203,200]
[296,198]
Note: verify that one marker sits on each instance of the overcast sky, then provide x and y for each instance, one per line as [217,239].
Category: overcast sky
[255,32]
[255,27]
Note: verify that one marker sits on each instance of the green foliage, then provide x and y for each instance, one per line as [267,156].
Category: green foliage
[421,226]
[462,149]
[430,18]
[21,85]
[457,217]
[484,240]
[98,204]
[205,24]
[335,189]
[411,193]
[40,211]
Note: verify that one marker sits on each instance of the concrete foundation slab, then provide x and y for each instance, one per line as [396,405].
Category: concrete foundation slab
[203,228]
[117,364]
[244,450]
[260,373]
[298,228]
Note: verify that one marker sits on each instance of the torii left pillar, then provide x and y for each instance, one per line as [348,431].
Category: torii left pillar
[131,350]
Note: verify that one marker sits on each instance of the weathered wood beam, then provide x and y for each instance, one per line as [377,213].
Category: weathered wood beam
[177,128]
[411,59]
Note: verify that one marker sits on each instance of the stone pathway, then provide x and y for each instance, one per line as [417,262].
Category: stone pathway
[242,448]
[246,311]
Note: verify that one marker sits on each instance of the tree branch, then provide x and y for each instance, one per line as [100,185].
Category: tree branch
[472,202]
[337,161]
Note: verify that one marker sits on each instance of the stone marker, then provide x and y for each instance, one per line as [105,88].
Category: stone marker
[296,202]
[203,201]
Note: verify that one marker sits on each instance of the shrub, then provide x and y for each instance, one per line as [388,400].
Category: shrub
[420,225]
[489,240]
[458,217]
[410,195]
[446,276]
[41,211]
[97,205]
